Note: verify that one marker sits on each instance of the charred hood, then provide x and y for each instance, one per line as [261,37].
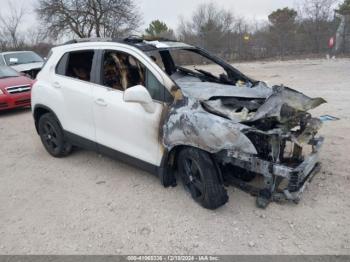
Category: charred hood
[216,117]
[251,104]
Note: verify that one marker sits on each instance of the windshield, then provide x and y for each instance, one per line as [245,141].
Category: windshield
[192,64]
[196,62]
[22,58]
[188,59]
[6,72]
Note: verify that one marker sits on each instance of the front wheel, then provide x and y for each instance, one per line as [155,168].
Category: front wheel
[52,136]
[200,177]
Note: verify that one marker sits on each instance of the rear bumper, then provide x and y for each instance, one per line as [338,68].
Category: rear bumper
[14,101]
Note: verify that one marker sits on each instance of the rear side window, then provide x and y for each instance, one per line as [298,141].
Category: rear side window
[62,65]
[76,65]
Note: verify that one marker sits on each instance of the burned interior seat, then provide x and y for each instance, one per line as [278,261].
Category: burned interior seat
[111,74]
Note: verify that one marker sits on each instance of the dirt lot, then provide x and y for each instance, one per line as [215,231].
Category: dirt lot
[89,204]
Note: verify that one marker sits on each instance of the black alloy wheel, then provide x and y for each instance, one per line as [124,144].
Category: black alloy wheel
[52,136]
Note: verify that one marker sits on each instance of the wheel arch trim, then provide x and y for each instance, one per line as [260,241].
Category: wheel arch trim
[168,164]
[36,111]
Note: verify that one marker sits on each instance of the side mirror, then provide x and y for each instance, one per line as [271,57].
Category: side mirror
[139,94]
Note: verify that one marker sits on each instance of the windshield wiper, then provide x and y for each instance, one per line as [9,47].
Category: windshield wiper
[203,75]
[187,71]
[208,74]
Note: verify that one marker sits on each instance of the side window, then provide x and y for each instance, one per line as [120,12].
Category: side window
[156,57]
[76,65]
[156,89]
[121,71]
[62,65]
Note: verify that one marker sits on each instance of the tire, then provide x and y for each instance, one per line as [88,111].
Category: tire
[52,136]
[237,172]
[200,177]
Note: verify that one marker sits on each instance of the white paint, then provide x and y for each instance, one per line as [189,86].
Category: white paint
[100,114]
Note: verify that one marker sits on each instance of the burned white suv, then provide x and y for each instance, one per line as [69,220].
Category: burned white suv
[177,111]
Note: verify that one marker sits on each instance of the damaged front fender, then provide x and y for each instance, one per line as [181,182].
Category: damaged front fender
[189,124]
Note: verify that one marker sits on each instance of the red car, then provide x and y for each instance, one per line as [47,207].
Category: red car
[14,89]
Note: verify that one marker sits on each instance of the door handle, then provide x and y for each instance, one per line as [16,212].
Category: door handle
[101,102]
[56,85]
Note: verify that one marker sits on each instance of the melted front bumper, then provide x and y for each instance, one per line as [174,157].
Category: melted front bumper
[274,173]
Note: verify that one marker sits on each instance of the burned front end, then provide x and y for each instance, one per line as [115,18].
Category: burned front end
[285,137]
[256,130]
[286,165]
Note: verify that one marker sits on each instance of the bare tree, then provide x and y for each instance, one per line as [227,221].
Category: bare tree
[317,16]
[242,38]
[89,18]
[208,25]
[37,35]
[9,27]
[287,32]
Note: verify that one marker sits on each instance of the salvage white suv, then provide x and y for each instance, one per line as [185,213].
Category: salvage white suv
[171,108]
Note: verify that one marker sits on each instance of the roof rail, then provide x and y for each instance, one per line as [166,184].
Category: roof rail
[139,39]
[134,39]
[84,40]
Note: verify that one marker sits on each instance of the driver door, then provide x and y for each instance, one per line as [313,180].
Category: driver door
[125,130]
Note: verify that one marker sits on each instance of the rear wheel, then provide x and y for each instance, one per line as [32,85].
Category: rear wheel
[52,136]
[200,177]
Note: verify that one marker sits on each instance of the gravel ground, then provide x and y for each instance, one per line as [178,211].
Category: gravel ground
[89,204]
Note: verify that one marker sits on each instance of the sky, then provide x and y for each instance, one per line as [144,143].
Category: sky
[169,11]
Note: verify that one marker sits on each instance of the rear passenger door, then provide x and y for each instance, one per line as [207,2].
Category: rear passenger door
[74,79]
[126,127]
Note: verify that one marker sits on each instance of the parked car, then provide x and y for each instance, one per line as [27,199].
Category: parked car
[172,108]
[26,62]
[14,89]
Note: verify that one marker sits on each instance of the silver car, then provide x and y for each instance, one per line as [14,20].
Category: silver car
[26,62]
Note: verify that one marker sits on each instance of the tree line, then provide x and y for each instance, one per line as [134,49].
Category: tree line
[304,30]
